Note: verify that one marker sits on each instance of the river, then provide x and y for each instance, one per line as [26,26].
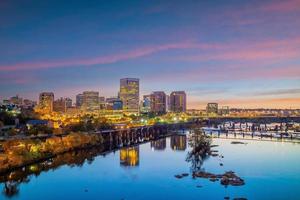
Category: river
[271,170]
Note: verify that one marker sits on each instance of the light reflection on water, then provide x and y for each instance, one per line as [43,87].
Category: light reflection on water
[271,170]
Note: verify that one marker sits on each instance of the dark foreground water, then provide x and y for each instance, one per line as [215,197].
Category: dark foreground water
[271,170]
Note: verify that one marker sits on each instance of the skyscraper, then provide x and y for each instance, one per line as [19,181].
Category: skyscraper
[158,102]
[90,101]
[46,100]
[178,101]
[146,104]
[68,102]
[79,100]
[129,95]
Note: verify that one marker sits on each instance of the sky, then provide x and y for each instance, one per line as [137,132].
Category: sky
[239,53]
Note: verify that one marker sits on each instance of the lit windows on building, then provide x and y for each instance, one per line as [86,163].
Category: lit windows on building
[46,100]
[129,95]
[158,102]
[90,101]
[178,101]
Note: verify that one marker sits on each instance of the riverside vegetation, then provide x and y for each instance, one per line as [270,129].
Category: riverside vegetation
[17,153]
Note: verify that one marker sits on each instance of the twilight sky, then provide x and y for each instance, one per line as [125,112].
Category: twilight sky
[239,53]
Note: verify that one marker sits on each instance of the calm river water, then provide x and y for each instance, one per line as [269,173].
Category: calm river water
[271,170]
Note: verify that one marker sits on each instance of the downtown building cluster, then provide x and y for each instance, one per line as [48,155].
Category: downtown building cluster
[127,101]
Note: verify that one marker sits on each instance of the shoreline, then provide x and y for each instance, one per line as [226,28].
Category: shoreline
[104,144]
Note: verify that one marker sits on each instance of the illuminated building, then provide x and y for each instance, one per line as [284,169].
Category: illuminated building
[79,100]
[158,102]
[178,142]
[129,156]
[178,101]
[146,104]
[90,101]
[60,105]
[129,95]
[212,108]
[46,100]
[114,103]
[159,144]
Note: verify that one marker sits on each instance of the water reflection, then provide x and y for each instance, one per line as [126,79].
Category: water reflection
[178,142]
[159,145]
[129,156]
[13,179]
[200,147]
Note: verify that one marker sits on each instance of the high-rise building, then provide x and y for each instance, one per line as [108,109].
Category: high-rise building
[46,100]
[146,104]
[212,108]
[90,101]
[178,101]
[129,95]
[60,105]
[158,102]
[68,102]
[79,100]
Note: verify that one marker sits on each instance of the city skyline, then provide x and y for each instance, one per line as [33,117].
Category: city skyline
[239,54]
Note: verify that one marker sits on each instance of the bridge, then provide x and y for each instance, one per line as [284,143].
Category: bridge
[136,135]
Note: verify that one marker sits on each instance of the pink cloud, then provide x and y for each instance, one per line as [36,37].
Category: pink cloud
[255,51]
[283,103]
[17,78]
[282,6]
[101,59]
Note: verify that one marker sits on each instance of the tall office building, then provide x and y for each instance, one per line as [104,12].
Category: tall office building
[158,102]
[68,102]
[79,100]
[90,101]
[212,108]
[60,105]
[129,95]
[46,100]
[178,101]
[146,104]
